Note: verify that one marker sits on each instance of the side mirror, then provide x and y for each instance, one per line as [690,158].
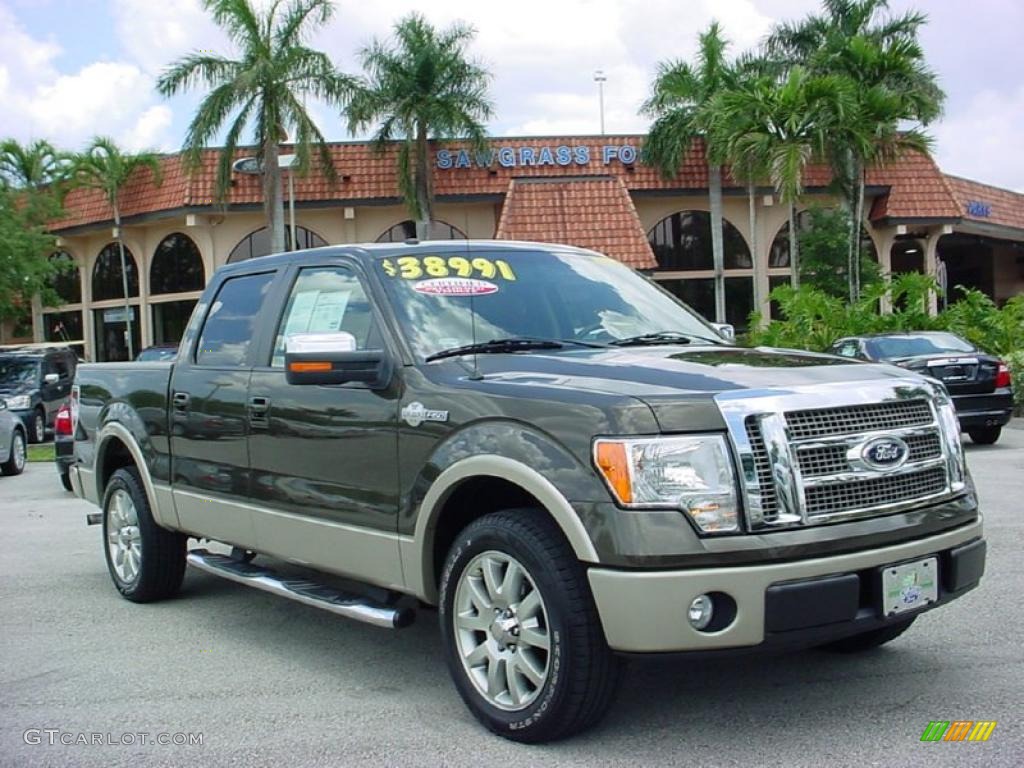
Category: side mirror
[725,330]
[51,378]
[332,358]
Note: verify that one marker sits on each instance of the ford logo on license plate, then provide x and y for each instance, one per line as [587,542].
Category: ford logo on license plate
[885,453]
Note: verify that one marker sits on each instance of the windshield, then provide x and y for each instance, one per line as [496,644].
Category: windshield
[896,347]
[18,373]
[532,294]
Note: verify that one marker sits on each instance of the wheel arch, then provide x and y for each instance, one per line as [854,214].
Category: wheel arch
[117,448]
[497,482]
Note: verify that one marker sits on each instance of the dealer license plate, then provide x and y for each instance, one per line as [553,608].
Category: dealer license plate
[910,586]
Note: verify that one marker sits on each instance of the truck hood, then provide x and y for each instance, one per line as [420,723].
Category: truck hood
[667,377]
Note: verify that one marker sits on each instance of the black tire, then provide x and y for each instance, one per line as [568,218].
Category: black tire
[161,564]
[65,480]
[985,435]
[583,673]
[869,640]
[17,456]
[37,430]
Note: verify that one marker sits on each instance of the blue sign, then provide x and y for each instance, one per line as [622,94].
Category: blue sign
[535,157]
[979,209]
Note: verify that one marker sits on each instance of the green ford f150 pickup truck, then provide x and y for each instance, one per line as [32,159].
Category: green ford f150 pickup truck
[563,459]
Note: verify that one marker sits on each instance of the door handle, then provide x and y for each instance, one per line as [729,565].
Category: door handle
[180,400]
[259,408]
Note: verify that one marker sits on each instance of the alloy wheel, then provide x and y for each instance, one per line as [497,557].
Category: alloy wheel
[124,541]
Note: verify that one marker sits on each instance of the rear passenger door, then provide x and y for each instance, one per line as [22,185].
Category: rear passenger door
[324,458]
[208,413]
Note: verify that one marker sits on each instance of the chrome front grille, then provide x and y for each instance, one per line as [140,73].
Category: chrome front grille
[804,451]
[826,422]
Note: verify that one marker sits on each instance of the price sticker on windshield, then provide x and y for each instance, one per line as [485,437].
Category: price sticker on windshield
[425,267]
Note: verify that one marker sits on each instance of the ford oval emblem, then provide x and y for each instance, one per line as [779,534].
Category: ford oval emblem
[885,453]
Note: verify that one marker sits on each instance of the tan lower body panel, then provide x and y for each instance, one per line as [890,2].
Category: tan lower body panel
[646,611]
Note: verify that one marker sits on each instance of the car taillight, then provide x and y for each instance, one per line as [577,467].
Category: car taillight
[1002,376]
[62,424]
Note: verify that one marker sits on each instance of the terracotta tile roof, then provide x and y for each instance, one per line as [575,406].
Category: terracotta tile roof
[589,212]
[917,190]
[916,187]
[987,204]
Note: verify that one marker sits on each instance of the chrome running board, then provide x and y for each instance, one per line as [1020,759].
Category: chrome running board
[305,591]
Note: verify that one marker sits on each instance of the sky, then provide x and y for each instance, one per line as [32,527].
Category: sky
[72,69]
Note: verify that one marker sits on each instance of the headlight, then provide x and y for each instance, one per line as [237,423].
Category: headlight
[692,473]
[19,402]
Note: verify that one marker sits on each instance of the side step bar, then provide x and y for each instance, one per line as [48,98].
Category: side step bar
[301,590]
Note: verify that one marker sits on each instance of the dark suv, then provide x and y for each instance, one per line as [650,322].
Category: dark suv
[35,381]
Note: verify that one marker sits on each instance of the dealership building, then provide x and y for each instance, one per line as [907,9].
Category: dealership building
[585,190]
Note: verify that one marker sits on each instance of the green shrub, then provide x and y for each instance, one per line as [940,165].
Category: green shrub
[824,253]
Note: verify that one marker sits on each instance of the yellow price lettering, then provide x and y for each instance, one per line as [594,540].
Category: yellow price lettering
[485,267]
[460,266]
[435,266]
[505,269]
[410,267]
[388,267]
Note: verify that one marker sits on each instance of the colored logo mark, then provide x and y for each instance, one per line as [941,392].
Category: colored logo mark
[958,730]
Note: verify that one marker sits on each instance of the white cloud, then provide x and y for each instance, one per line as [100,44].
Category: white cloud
[112,98]
[983,141]
[156,32]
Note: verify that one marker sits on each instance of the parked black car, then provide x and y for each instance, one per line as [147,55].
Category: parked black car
[35,381]
[979,382]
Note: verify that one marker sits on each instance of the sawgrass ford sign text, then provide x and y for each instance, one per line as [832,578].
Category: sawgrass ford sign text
[532,157]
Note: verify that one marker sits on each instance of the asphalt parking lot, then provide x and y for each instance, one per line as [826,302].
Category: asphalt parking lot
[270,682]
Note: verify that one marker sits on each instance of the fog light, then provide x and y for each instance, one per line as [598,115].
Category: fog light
[701,610]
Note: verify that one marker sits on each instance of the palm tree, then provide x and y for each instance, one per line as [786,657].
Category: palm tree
[783,127]
[104,167]
[264,86]
[421,87]
[681,104]
[879,52]
[31,166]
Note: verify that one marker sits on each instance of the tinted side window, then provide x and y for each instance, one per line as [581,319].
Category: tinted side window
[326,299]
[231,322]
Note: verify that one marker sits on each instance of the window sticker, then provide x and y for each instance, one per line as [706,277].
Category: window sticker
[317,312]
[455,286]
[416,268]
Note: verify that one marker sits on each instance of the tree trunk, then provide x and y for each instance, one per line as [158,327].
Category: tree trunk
[752,221]
[858,217]
[853,235]
[273,200]
[794,251]
[717,246]
[424,191]
[124,284]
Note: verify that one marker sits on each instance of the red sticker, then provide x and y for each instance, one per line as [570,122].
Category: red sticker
[455,286]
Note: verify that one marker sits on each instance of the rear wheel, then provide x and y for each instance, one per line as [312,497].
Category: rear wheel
[521,633]
[145,561]
[985,435]
[37,430]
[15,463]
[868,640]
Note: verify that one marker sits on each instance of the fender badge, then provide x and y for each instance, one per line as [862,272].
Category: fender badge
[415,414]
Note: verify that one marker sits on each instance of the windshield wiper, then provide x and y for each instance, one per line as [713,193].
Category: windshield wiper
[497,346]
[661,337]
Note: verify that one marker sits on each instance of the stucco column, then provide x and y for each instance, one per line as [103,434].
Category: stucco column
[931,248]
[88,331]
[886,240]
[142,259]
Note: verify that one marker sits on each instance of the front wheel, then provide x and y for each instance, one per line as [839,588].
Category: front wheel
[985,435]
[521,634]
[15,463]
[145,561]
[869,640]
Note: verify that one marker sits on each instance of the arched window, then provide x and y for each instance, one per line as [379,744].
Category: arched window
[66,282]
[439,230]
[778,256]
[258,243]
[106,274]
[682,242]
[177,266]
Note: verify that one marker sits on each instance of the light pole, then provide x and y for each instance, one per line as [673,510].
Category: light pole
[600,78]
[253,167]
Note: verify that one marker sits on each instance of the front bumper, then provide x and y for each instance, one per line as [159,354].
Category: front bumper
[797,602]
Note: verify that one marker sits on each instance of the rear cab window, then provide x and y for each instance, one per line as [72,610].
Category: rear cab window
[230,325]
